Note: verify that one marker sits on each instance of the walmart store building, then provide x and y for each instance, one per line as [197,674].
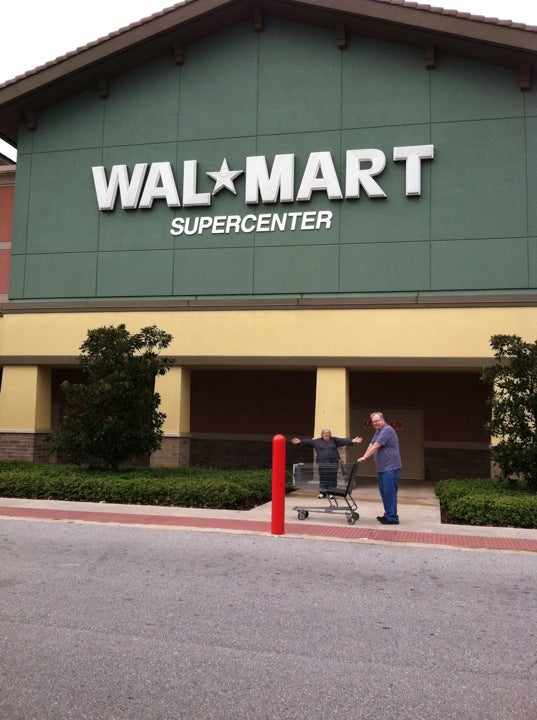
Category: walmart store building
[331,206]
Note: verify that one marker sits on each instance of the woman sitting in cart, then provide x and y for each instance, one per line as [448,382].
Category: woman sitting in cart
[326,448]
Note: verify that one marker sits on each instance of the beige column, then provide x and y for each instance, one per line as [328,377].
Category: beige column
[495,471]
[25,412]
[25,398]
[332,401]
[174,391]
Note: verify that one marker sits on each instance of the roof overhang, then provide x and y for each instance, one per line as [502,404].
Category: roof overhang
[170,32]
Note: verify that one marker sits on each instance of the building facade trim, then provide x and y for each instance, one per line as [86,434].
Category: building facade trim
[357,303]
[263,361]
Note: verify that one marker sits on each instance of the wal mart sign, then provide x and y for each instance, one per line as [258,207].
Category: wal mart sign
[156,181]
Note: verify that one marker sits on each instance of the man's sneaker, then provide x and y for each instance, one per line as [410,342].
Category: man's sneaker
[321,495]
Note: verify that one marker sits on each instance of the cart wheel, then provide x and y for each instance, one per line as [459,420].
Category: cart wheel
[351,519]
[356,516]
[302,514]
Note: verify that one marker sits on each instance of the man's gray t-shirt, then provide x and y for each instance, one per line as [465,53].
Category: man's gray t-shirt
[387,456]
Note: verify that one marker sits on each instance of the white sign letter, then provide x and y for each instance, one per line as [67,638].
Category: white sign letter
[280,181]
[357,174]
[119,179]
[160,183]
[190,194]
[413,154]
[320,174]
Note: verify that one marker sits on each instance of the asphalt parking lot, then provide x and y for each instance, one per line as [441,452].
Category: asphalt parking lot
[119,622]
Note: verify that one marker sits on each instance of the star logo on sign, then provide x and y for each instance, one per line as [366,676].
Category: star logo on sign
[224,177]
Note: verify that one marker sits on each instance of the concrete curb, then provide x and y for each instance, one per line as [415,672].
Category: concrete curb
[421,525]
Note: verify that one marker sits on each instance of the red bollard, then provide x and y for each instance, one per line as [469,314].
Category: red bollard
[278,484]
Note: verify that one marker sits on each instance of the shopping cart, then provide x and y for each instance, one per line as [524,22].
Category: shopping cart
[334,481]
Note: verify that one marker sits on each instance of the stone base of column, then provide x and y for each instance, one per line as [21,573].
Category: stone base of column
[174,452]
[31,447]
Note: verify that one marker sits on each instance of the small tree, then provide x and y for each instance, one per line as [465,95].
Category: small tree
[513,400]
[113,417]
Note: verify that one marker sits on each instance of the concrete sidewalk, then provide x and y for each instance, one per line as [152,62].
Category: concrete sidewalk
[418,510]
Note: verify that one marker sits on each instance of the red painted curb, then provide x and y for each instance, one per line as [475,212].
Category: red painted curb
[259,526]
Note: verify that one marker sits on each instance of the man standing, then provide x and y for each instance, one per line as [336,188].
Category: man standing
[385,448]
[328,459]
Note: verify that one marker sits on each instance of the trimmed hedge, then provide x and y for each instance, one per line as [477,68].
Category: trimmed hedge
[184,487]
[496,503]
[468,502]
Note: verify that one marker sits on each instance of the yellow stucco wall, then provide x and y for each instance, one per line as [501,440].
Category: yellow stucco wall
[403,338]
[390,333]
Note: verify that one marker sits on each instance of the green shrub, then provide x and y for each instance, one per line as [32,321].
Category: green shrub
[497,503]
[112,416]
[185,487]
[513,400]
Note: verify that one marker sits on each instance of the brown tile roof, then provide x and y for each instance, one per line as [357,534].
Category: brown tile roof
[4,160]
[94,43]
[458,13]
[494,40]
[166,11]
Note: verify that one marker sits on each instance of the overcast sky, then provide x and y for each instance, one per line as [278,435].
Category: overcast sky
[37,31]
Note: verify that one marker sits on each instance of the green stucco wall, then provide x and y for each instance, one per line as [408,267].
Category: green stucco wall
[288,89]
